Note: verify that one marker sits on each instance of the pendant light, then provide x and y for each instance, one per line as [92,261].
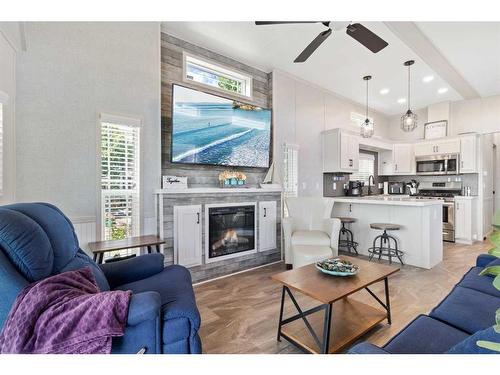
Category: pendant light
[409,119]
[367,127]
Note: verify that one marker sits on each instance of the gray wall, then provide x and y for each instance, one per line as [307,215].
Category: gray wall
[71,72]
[171,72]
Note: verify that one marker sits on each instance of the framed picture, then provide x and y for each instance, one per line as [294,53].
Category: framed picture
[436,129]
[174,182]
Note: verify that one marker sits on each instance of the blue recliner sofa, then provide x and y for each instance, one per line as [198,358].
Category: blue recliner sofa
[464,316]
[37,240]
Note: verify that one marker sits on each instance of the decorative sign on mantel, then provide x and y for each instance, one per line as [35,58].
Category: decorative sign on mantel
[174,182]
[436,129]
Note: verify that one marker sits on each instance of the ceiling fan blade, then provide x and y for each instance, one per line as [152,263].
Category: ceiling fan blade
[366,37]
[260,23]
[308,51]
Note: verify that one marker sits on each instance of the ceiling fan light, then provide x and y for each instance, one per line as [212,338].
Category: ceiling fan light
[409,121]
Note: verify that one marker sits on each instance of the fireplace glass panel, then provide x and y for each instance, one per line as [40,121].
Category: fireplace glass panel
[231,230]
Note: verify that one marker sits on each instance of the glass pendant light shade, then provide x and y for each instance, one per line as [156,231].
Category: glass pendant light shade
[367,127]
[409,119]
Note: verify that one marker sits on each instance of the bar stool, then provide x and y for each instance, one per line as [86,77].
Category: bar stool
[384,249]
[348,242]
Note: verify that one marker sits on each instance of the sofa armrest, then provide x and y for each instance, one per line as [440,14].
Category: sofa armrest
[143,328]
[143,306]
[366,348]
[331,226]
[483,260]
[134,269]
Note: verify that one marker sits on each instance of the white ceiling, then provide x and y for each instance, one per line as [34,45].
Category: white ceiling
[340,62]
[472,48]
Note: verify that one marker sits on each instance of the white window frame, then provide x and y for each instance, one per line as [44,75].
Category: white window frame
[355,176]
[217,69]
[121,119]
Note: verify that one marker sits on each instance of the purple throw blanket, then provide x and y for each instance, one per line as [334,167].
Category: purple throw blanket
[65,313]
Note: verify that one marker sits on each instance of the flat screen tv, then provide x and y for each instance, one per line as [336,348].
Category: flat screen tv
[209,129]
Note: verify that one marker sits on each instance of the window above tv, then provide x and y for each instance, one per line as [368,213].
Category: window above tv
[209,74]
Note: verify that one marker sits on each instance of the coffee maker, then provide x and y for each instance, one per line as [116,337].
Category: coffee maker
[354,188]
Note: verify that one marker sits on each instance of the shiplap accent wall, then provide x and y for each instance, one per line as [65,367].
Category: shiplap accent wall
[171,72]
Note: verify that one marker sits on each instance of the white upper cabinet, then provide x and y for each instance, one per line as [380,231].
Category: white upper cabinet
[403,159]
[468,154]
[451,146]
[340,151]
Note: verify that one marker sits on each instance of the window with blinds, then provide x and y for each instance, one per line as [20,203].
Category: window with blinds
[120,180]
[291,170]
[366,168]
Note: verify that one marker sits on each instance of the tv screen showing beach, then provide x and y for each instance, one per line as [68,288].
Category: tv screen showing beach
[208,129]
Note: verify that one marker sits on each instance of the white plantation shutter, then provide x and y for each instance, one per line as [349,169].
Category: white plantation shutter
[291,170]
[120,179]
[366,168]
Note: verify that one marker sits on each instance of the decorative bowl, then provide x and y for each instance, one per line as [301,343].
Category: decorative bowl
[337,267]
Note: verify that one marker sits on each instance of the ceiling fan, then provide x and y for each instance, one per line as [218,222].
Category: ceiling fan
[355,30]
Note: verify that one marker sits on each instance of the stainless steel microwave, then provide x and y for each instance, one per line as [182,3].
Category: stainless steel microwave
[437,164]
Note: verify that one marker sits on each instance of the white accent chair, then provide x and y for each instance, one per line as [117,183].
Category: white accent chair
[309,224]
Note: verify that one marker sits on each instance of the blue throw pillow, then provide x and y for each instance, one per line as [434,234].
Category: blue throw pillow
[469,345]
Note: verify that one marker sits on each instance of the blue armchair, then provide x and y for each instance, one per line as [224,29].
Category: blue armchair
[37,240]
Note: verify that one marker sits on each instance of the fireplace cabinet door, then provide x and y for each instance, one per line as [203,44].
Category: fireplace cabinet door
[267,225]
[187,235]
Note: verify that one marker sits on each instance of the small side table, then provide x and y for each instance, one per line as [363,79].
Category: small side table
[100,247]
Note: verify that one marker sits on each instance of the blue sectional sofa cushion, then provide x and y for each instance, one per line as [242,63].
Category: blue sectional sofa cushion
[467,309]
[26,245]
[416,337]
[469,345]
[495,262]
[483,283]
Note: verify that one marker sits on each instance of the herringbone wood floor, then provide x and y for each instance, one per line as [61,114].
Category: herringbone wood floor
[239,313]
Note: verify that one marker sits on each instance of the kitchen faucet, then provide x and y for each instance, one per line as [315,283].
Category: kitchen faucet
[370,178]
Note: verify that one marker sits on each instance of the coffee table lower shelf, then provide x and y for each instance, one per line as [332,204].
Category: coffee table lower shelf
[350,320]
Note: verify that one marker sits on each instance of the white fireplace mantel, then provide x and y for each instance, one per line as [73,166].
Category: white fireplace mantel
[215,190]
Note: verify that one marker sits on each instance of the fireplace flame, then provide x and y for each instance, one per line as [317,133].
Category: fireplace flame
[230,237]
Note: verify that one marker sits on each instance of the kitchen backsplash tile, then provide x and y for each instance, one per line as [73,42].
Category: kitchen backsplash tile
[469,179]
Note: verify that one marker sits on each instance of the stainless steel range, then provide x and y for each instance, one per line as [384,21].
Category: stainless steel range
[445,191]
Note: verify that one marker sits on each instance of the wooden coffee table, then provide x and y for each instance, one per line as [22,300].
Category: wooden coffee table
[344,319]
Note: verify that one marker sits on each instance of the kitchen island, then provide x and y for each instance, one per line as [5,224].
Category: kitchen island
[420,236]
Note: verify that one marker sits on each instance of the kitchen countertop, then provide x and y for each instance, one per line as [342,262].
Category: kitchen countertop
[391,200]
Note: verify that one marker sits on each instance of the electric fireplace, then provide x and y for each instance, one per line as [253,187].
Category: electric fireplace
[230,231]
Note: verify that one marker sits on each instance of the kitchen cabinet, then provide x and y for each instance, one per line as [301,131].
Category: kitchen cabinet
[340,151]
[187,235]
[468,152]
[438,147]
[464,225]
[399,161]
[267,225]
[403,159]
